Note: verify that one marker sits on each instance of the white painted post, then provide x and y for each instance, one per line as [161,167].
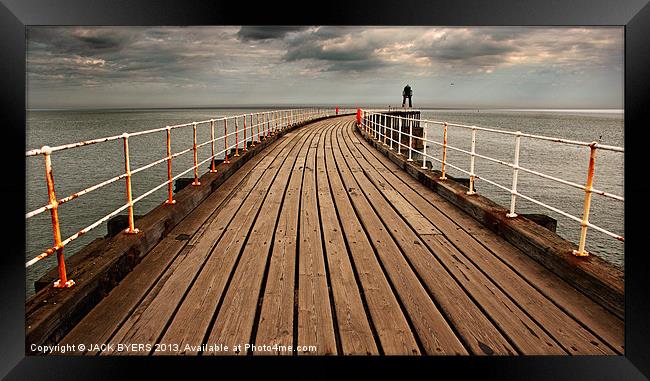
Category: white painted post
[399,135]
[392,130]
[471,164]
[410,122]
[515,173]
[424,149]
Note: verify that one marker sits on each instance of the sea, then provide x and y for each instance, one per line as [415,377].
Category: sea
[79,168]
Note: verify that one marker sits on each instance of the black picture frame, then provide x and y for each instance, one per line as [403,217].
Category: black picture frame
[634,15]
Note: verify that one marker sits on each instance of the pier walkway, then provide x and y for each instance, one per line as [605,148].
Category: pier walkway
[320,241]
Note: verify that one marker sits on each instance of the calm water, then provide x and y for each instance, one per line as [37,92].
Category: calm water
[80,168]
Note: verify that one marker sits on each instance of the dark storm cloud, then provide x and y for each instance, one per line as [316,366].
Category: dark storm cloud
[342,49]
[229,59]
[80,41]
[82,56]
[255,33]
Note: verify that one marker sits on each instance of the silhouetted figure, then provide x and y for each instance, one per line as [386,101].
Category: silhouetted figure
[407,93]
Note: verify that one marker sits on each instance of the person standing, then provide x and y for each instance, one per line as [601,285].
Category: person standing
[407,93]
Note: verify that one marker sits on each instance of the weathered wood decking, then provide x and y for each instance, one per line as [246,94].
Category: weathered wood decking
[322,241]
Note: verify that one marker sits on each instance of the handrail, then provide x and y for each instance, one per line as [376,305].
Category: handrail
[267,123]
[374,123]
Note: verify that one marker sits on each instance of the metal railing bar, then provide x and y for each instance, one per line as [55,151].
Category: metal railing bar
[274,121]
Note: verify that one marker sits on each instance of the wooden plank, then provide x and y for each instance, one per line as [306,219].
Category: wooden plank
[392,328]
[599,280]
[315,325]
[151,317]
[594,317]
[235,319]
[522,331]
[478,332]
[567,331]
[276,316]
[435,334]
[353,326]
[191,322]
[102,321]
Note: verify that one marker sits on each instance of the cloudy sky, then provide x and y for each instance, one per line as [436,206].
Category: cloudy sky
[504,67]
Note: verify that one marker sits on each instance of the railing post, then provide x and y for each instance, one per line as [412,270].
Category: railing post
[225,140]
[383,117]
[63,281]
[581,252]
[170,193]
[364,123]
[375,127]
[371,131]
[424,148]
[245,142]
[129,198]
[252,131]
[471,164]
[378,127]
[257,120]
[236,137]
[392,130]
[213,169]
[196,166]
[444,152]
[410,122]
[515,174]
[399,135]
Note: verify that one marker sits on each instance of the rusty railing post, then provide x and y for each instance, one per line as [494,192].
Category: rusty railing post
[515,175]
[252,131]
[236,137]
[196,166]
[213,169]
[265,119]
[471,164]
[444,151]
[170,193]
[63,281]
[275,122]
[581,252]
[225,140]
[245,148]
[129,197]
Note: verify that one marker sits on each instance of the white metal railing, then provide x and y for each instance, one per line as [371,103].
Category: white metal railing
[383,126]
[253,127]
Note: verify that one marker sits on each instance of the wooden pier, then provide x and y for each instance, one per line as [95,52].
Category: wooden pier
[321,241]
